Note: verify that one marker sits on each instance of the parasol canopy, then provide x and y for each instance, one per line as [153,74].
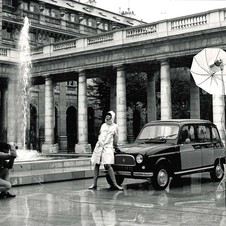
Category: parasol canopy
[208,70]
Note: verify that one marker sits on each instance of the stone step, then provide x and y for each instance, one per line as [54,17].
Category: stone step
[49,163]
[44,171]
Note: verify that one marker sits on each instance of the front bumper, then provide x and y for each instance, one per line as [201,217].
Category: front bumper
[135,174]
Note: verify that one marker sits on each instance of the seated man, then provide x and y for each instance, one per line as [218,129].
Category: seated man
[7,157]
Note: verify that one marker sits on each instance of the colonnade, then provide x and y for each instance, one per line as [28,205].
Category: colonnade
[117,104]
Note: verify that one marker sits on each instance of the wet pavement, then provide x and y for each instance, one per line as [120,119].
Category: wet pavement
[194,200]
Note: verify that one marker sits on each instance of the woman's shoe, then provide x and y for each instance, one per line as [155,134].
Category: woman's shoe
[93,186]
[6,195]
[118,187]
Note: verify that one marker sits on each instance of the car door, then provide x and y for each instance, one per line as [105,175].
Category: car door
[204,139]
[190,150]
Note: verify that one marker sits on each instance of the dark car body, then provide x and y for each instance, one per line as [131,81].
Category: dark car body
[171,148]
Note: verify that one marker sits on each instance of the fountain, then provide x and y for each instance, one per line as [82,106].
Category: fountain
[23,96]
[36,166]
[24,77]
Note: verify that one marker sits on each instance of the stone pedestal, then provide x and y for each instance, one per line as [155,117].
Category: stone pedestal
[50,148]
[62,143]
[83,148]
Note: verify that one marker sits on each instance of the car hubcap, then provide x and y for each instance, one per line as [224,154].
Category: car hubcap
[162,177]
[219,171]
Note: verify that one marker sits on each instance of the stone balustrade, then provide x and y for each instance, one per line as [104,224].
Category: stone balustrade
[9,54]
[141,30]
[64,45]
[100,39]
[164,28]
[152,31]
[189,22]
[3,52]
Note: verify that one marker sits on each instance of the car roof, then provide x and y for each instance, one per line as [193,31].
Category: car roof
[181,121]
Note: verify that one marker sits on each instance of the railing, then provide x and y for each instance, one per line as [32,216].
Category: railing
[140,31]
[64,45]
[30,15]
[37,50]
[3,52]
[8,9]
[100,39]
[52,20]
[72,25]
[189,22]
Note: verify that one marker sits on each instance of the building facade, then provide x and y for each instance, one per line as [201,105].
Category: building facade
[50,22]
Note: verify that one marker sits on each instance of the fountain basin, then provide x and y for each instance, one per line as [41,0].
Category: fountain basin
[51,170]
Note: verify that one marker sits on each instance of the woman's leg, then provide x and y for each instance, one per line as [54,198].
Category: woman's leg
[4,174]
[95,176]
[112,176]
[4,185]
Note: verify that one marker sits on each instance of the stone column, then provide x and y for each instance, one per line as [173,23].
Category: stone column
[41,116]
[1,22]
[151,97]
[3,128]
[82,146]
[113,94]
[219,114]
[11,120]
[49,146]
[121,104]
[194,100]
[62,115]
[166,108]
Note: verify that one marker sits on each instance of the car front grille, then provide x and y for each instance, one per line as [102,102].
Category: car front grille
[124,160]
[123,168]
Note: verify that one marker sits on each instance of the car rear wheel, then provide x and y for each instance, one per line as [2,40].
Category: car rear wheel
[119,179]
[160,180]
[218,172]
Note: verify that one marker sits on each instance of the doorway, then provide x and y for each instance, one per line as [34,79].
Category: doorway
[71,128]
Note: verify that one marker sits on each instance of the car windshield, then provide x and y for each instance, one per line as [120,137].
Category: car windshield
[159,132]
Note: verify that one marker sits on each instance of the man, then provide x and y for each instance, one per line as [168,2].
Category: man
[7,157]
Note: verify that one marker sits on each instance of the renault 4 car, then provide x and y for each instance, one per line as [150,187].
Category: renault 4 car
[171,148]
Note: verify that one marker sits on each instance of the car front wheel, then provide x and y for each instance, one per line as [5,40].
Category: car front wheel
[218,172]
[160,180]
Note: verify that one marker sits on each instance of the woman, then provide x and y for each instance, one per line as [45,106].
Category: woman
[104,150]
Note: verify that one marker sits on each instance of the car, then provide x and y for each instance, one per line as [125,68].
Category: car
[171,148]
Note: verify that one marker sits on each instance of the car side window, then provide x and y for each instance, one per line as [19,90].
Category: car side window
[187,134]
[203,133]
[215,134]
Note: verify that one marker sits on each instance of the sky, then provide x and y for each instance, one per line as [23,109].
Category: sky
[154,10]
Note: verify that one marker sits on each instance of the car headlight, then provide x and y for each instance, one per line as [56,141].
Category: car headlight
[139,158]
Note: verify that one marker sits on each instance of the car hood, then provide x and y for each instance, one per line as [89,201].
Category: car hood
[150,148]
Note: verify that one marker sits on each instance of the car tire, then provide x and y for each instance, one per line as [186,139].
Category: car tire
[161,178]
[119,179]
[218,172]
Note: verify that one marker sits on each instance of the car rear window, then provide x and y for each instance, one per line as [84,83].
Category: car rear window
[203,133]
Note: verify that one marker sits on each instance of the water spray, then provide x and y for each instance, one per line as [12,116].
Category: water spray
[24,77]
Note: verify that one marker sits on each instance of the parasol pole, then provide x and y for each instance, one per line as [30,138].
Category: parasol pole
[223,116]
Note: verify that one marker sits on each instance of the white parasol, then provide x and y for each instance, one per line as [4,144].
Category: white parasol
[208,70]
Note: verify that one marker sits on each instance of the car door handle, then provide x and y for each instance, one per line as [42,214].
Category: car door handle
[197,146]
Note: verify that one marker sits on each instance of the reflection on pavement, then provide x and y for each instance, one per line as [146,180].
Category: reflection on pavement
[188,201]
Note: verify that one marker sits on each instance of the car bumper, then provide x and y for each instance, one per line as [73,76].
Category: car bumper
[135,174]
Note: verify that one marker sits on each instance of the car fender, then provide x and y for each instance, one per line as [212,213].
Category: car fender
[164,160]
